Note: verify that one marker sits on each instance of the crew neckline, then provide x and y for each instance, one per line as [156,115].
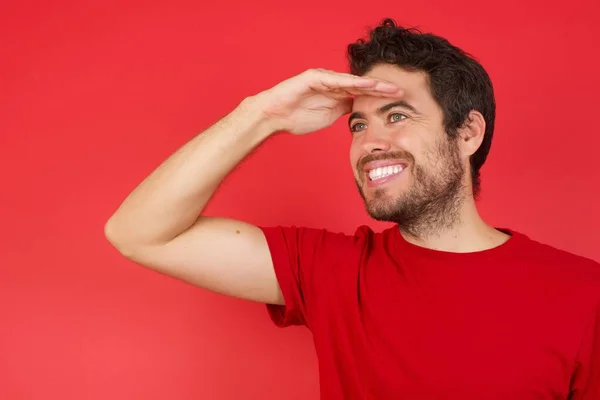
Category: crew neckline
[505,248]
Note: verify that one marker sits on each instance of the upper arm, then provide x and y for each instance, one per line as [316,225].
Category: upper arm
[221,255]
[311,266]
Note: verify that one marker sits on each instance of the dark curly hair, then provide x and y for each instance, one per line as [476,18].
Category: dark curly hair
[458,83]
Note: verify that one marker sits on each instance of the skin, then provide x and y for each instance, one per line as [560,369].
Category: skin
[431,199]
[161,225]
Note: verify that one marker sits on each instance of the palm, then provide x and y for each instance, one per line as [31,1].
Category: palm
[315,112]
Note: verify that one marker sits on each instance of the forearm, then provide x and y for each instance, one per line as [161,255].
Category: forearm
[172,197]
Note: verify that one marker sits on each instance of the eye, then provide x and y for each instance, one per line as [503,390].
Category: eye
[357,127]
[396,117]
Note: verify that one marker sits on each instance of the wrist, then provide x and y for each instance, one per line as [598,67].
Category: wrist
[255,108]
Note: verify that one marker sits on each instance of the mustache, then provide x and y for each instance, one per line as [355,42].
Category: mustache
[393,155]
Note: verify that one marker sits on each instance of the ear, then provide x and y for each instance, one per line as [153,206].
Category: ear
[471,133]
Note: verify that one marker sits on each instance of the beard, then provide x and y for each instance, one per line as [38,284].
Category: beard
[433,201]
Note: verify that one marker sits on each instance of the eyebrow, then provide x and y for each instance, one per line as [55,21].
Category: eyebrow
[383,109]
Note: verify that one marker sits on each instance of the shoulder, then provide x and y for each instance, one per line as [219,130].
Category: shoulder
[320,240]
[572,270]
[540,252]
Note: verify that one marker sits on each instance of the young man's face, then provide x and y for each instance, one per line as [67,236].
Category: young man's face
[404,162]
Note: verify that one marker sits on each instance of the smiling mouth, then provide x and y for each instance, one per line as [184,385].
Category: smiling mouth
[384,173]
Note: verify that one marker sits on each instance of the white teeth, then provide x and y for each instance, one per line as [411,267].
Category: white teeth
[382,172]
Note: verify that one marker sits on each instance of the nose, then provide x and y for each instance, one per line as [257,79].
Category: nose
[374,142]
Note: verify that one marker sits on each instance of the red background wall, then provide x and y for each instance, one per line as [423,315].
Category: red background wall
[94,95]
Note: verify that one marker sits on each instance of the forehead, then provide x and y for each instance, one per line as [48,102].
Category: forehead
[414,84]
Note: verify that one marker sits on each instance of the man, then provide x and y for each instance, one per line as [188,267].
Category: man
[442,305]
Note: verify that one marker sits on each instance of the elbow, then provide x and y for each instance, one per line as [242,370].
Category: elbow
[111,232]
[114,236]
[128,244]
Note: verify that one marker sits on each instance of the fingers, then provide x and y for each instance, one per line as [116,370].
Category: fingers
[339,94]
[329,81]
[377,91]
[386,87]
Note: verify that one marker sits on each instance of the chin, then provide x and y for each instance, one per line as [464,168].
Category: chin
[380,201]
[389,192]
[379,195]
[381,211]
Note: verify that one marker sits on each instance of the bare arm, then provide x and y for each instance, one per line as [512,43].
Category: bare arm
[159,225]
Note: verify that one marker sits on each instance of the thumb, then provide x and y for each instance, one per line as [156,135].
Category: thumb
[344,106]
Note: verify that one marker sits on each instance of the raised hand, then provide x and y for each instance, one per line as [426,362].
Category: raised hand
[316,98]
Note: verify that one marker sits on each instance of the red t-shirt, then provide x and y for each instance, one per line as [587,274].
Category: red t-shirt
[391,320]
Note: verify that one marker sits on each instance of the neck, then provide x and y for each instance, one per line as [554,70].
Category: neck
[465,232]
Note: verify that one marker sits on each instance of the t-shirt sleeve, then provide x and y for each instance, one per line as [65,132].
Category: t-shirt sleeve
[586,381]
[306,262]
